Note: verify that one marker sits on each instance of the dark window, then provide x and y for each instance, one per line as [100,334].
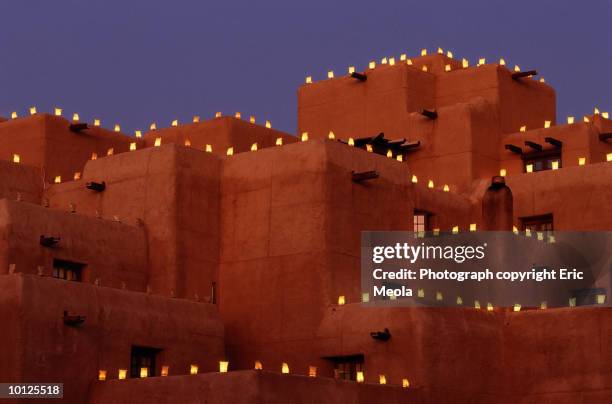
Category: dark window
[541,223]
[68,270]
[541,161]
[143,357]
[421,221]
[346,367]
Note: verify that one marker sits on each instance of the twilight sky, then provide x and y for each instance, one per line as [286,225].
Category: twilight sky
[134,61]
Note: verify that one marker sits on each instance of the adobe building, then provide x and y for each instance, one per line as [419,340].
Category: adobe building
[224,240]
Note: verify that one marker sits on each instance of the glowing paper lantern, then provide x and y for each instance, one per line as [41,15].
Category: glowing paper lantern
[312,371]
[279,141]
[308,80]
[193,369]
[382,379]
[360,377]
[158,142]
[502,172]
[165,370]
[32,110]
[223,365]
[144,372]
[285,368]
[175,122]
[16,158]
[117,128]
[122,374]
[230,151]
[581,161]
[341,300]
[570,120]
[330,74]
[258,365]
[101,375]
[58,112]
[331,135]
[96,122]
[254,147]
[304,136]
[268,124]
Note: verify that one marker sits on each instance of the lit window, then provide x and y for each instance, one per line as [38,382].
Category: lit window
[346,367]
[538,224]
[421,221]
[68,270]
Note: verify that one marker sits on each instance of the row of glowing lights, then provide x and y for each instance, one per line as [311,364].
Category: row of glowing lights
[555,165]
[138,133]
[279,142]
[571,120]
[365,298]
[404,59]
[223,368]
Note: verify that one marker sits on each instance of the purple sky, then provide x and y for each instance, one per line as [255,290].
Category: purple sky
[134,61]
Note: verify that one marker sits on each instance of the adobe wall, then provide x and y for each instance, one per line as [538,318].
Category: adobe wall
[290,243]
[114,321]
[45,141]
[115,253]
[19,181]
[578,197]
[220,133]
[172,192]
[356,109]
[246,387]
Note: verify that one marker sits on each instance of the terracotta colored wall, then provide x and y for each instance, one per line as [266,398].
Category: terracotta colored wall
[290,240]
[246,387]
[19,181]
[172,191]
[219,133]
[113,252]
[115,320]
[576,196]
[45,141]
